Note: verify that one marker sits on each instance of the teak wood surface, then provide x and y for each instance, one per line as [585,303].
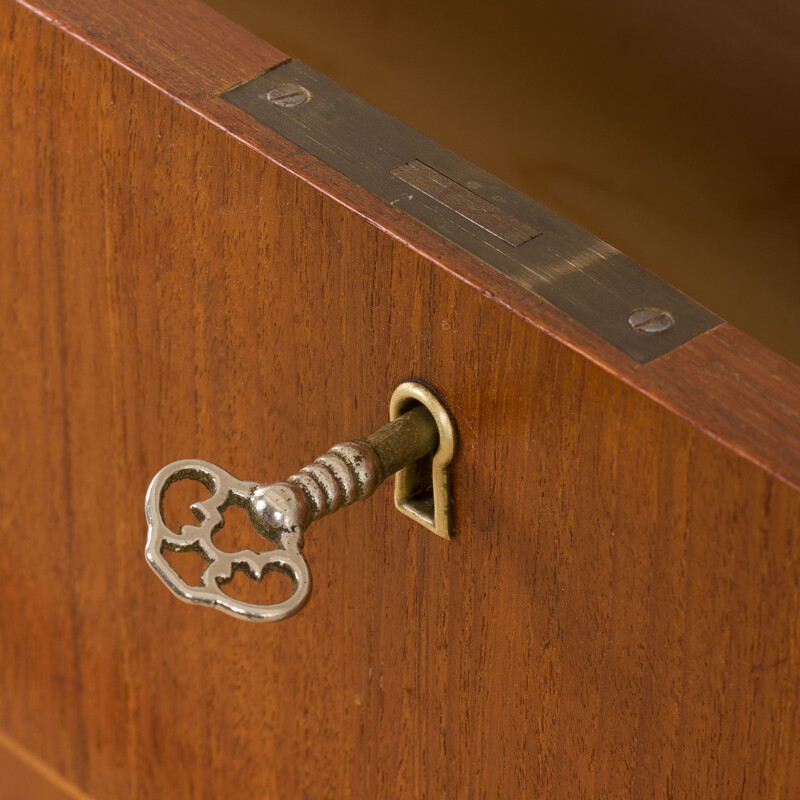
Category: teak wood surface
[618,614]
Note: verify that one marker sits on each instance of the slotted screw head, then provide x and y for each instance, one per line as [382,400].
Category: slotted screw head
[651,320]
[288,95]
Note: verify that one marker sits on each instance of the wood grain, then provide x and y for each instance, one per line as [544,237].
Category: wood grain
[27,778]
[619,613]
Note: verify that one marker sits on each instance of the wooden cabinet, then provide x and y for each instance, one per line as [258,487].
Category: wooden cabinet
[618,614]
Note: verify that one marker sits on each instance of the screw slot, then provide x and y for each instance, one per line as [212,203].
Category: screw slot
[651,320]
[288,95]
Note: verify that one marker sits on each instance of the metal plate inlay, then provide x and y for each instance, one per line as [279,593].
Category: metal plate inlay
[466,203]
[564,265]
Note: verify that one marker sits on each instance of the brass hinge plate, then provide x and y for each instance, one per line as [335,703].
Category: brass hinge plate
[595,284]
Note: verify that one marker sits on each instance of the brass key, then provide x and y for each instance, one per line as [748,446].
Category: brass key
[420,440]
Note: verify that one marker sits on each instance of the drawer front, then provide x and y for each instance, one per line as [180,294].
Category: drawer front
[617,613]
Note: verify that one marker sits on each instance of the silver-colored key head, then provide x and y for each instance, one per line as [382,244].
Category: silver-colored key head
[278,511]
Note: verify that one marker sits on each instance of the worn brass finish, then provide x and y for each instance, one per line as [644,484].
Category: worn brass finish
[466,203]
[567,267]
[409,437]
[422,489]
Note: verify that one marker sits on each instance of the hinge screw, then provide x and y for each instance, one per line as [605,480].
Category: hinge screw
[288,95]
[651,320]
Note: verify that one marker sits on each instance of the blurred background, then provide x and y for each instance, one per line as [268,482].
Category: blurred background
[670,129]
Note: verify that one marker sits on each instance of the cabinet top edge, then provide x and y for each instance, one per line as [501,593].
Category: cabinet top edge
[731,387]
